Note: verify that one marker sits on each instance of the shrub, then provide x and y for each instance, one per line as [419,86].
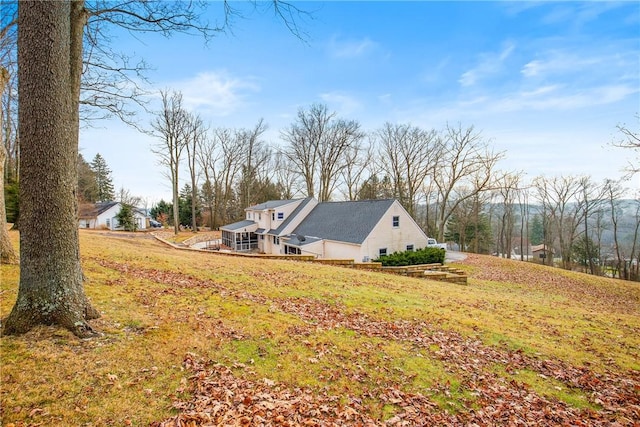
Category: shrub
[420,256]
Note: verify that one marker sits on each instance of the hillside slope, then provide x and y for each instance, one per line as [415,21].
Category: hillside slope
[218,340]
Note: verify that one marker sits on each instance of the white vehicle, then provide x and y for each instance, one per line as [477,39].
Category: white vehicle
[433,243]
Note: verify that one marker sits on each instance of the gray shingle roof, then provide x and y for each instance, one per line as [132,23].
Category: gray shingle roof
[348,222]
[92,210]
[291,216]
[238,225]
[271,204]
[294,240]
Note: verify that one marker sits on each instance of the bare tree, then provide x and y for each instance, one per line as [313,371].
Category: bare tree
[507,188]
[613,191]
[126,198]
[286,177]
[560,197]
[318,143]
[357,162]
[523,203]
[207,156]
[590,199]
[464,169]
[407,155]
[334,149]
[630,139]
[196,133]
[634,252]
[171,127]
[226,171]
[256,169]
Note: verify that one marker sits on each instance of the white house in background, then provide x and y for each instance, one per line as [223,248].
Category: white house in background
[360,230]
[103,216]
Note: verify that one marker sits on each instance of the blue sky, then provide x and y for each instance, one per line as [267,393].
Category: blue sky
[546,82]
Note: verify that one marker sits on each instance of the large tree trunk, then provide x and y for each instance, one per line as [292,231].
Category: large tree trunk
[7,254]
[51,282]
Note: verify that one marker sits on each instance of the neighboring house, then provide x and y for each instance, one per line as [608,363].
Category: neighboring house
[360,230]
[539,253]
[103,216]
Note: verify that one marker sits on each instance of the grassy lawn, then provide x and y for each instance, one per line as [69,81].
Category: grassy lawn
[201,337]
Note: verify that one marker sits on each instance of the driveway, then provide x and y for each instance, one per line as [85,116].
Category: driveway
[453,256]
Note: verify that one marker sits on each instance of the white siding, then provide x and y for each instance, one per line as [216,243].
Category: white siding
[110,215]
[385,235]
[314,249]
[341,250]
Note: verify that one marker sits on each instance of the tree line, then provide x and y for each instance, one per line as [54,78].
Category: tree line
[448,180]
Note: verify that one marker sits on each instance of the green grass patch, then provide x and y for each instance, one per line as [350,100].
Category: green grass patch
[549,387]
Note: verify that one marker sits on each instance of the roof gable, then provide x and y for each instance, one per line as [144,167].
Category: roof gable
[348,222]
[292,216]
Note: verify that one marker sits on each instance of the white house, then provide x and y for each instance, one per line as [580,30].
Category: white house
[103,216]
[359,230]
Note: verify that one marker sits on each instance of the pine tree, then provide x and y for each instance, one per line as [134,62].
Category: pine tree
[87,182]
[126,219]
[536,234]
[103,179]
[184,208]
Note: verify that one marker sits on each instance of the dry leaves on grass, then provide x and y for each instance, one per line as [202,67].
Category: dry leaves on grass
[602,292]
[224,398]
[221,397]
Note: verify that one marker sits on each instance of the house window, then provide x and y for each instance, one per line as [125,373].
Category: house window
[382,252]
[259,217]
[261,237]
[108,222]
[410,248]
[276,240]
[273,216]
[396,221]
[280,215]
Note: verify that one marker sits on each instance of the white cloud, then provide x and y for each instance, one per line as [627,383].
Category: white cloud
[350,48]
[343,103]
[557,62]
[216,92]
[489,64]
[556,98]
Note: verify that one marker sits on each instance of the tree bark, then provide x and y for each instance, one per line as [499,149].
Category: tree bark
[51,281]
[7,254]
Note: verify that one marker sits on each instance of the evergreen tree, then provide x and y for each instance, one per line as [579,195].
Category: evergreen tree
[87,182]
[162,212]
[126,219]
[104,183]
[584,249]
[375,188]
[184,207]
[12,201]
[207,196]
[465,233]
[536,234]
